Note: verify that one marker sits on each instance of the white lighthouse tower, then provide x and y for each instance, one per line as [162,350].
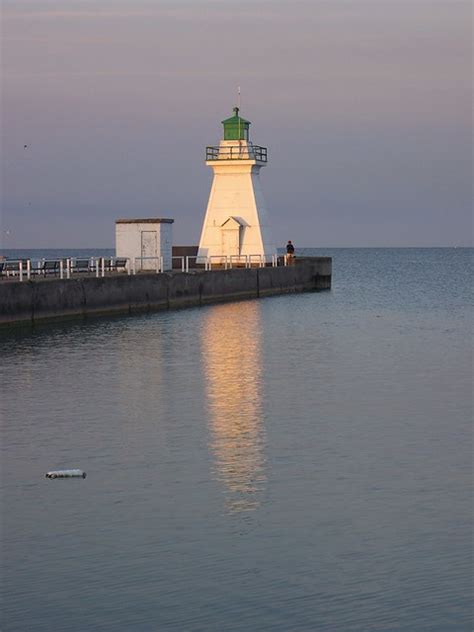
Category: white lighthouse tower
[236,222]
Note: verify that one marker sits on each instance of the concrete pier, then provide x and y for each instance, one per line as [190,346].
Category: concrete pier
[29,302]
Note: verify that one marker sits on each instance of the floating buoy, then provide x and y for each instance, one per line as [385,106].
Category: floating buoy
[66,474]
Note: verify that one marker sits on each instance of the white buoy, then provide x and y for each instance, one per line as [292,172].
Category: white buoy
[66,474]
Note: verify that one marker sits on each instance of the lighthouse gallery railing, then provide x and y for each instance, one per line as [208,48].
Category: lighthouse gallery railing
[246,152]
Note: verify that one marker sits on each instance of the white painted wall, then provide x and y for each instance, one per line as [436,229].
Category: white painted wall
[236,192]
[144,238]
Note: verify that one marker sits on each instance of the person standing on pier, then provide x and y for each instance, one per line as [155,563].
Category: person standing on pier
[290,252]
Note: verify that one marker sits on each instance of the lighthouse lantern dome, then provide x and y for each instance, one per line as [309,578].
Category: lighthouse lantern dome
[236,127]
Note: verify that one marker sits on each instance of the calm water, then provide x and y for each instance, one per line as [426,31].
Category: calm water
[296,463]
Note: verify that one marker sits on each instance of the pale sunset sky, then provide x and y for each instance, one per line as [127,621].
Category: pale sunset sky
[364,105]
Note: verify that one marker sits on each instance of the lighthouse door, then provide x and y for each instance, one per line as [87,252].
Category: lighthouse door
[149,249]
[230,241]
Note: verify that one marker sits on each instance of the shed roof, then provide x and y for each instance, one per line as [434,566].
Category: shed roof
[147,220]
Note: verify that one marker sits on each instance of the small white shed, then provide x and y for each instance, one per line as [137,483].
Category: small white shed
[145,240]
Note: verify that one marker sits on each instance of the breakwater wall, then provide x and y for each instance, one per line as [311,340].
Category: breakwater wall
[27,302]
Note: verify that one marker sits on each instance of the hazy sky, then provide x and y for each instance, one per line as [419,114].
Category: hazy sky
[364,105]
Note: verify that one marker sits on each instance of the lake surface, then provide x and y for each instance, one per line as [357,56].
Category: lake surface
[295,463]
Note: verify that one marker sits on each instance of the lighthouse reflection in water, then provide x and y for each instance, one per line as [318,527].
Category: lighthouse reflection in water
[232,359]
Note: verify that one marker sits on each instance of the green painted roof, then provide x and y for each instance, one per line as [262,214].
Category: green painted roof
[234,120]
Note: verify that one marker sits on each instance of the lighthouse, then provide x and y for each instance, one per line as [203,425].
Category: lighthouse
[236,223]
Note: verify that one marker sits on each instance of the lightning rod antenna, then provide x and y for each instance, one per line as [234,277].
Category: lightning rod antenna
[238,111]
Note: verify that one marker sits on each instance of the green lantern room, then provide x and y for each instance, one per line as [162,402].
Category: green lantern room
[236,127]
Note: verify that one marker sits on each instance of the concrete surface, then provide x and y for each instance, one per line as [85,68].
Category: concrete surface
[28,302]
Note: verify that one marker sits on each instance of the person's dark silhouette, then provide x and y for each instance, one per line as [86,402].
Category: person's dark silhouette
[290,251]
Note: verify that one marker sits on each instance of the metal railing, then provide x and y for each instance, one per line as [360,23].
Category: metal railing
[228,262]
[69,267]
[244,152]
[64,267]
